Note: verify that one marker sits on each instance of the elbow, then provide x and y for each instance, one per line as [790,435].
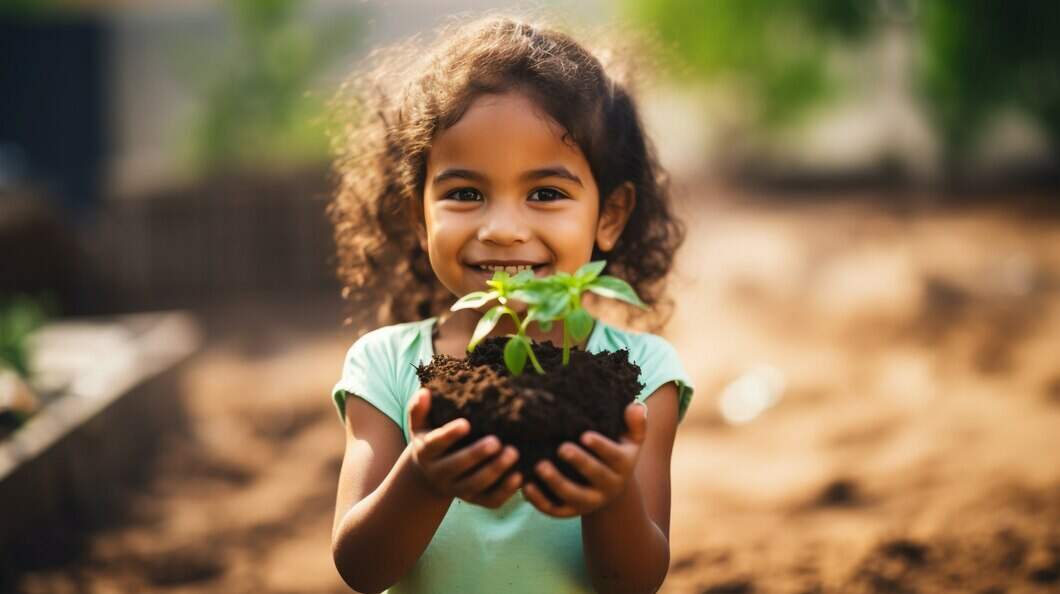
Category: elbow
[647,579]
[354,574]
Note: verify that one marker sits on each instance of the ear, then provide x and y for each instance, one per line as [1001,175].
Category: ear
[616,211]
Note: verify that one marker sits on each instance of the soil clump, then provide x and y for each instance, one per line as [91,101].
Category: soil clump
[533,412]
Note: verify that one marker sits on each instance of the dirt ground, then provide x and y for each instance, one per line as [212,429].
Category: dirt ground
[912,445]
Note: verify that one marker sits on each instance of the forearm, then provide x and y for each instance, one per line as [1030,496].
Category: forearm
[380,538]
[624,549]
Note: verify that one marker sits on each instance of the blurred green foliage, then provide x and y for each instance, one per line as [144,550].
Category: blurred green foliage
[975,56]
[773,50]
[19,317]
[23,9]
[258,111]
[982,55]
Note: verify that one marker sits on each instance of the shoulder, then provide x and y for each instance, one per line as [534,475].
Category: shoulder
[379,368]
[390,341]
[658,360]
[642,346]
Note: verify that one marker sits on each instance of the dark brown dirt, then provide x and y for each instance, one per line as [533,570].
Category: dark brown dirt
[534,413]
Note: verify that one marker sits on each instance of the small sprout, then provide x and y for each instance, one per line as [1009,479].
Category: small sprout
[556,298]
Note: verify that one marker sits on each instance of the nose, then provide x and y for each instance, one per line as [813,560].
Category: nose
[503,226]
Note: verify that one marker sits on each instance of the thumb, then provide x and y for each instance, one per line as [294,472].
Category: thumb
[419,405]
[637,421]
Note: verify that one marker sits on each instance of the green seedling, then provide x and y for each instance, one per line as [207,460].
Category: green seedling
[555,298]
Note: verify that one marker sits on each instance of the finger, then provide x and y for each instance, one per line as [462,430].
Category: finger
[459,462]
[636,422]
[613,454]
[419,404]
[480,480]
[566,489]
[538,499]
[501,493]
[437,442]
[590,467]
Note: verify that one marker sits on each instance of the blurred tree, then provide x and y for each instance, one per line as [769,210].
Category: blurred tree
[775,50]
[981,55]
[976,56]
[257,108]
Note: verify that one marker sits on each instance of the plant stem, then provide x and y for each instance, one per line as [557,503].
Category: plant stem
[515,318]
[533,360]
[521,331]
[566,344]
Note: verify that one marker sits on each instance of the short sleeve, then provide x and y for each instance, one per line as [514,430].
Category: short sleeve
[368,372]
[659,364]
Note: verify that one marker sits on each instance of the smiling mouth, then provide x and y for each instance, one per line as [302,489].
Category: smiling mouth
[511,269]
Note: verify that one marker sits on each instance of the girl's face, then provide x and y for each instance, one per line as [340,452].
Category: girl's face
[504,191]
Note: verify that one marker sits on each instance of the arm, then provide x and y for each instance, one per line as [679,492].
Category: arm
[626,509]
[385,515]
[627,542]
[392,497]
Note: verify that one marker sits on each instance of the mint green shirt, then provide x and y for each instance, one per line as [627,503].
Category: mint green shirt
[513,548]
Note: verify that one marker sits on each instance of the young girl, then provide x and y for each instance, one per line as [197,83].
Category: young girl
[505,146]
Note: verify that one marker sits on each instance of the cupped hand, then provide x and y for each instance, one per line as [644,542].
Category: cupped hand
[608,472]
[472,473]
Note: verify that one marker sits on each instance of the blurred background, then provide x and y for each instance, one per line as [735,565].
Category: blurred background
[868,300]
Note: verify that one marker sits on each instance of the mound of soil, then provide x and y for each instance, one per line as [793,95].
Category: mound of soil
[535,413]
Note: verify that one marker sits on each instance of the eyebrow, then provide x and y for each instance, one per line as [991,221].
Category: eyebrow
[556,171]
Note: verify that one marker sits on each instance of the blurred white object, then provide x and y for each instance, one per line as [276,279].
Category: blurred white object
[750,394]
[15,395]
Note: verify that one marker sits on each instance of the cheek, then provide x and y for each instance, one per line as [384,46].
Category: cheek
[446,233]
[574,232]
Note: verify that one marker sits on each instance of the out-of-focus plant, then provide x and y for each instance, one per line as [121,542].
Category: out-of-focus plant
[30,8]
[257,108]
[975,58]
[19,317]
[980,56]
[775,51]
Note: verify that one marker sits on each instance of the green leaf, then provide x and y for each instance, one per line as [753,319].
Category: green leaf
[485,325]
[579,323]
[545,313]
[590,271]
[532,295]
[522,278]
[515,354]
[555,306]
[616,288]
[500,281]
[474,300]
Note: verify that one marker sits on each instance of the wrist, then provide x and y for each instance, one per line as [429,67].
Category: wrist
[620,506]
[417,478]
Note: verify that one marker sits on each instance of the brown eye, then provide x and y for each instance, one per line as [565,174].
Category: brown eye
[465,195]
[546,195]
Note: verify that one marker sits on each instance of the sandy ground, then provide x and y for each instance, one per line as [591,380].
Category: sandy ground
[913,444]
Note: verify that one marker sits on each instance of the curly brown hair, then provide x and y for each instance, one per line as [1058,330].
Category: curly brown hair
[390,111]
